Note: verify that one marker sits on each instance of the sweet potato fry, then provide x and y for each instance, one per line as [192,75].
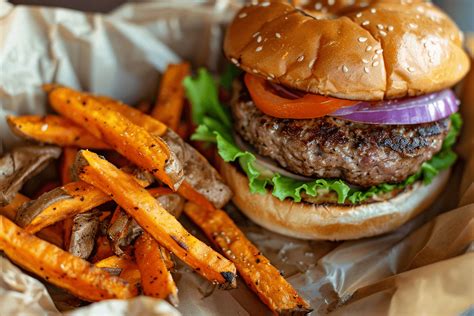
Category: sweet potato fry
[153,126]
[151,216]
[67,160]
[60,267]
[128,269]
[157,280]
[48,233]
[53,129]
[130,140]
[65,172]
[257,271]
[170,99]
[103,249]
[66,201]
[10,210]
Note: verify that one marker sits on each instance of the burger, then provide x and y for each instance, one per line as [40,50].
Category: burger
[342,123]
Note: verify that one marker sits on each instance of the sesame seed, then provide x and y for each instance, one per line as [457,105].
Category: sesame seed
[242,15]
[258,49]
[254,71]
[331,2]
[380,26]
[373,10]
[311,63]
[366,70]
[375,57]
[366,22]
[413,25]
[259,39]
[383,33]
[277,35]
[365,61]
[375,63]
[362,39]
[379,51]
[271,75]
[300,59]
[235,61]
[358,15]
[318,6]
[368,49]
[44,127]
[344,68]
[390,28]
[411,69]
[255,34]
[269,78]
[265,4]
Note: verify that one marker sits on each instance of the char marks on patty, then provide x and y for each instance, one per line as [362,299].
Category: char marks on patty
[328,147]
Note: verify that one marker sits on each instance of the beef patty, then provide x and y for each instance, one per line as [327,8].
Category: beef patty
[327,147]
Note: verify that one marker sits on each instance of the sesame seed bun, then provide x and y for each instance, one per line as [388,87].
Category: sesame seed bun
[388,49]
[330,222]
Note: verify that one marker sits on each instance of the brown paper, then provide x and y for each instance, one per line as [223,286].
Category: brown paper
[421,268]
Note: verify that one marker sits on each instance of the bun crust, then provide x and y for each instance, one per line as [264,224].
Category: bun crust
[330,222]
[389,49]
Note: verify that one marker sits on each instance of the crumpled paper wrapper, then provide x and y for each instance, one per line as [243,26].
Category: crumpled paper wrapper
[425,267]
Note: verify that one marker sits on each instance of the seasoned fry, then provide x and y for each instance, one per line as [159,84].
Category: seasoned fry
[48,233]
[53,129]
[150,215]
[170,100]
[153,126]
[67,160]
[65,172]
[157,280]
[257,271]
[103,249]
[66,201]
[60,267]
[128,269]
[132,141]
[10,210]
[21,164]
[204,179]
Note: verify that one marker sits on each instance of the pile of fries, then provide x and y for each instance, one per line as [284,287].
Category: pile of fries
[111,230]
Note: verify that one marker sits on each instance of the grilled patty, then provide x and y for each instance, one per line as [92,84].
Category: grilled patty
[327,147]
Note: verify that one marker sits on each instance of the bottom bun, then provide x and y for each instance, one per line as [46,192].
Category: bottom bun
[330,222]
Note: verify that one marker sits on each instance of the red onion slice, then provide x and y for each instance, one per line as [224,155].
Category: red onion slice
[423,109]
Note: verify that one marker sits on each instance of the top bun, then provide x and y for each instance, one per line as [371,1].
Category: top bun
[384,50]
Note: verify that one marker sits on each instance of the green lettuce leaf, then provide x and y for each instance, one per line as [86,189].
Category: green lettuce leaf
[215,126]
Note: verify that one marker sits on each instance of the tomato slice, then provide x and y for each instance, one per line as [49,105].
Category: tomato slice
[306,107]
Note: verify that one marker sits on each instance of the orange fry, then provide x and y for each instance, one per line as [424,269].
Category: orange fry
[157,280]
[50,234]
[257,271]
[53,129]
[130,140]
[65,172]
[170,100]
[64,202]
[60,267]
[151,216]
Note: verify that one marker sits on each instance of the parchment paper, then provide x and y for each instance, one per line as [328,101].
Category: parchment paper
[425,267]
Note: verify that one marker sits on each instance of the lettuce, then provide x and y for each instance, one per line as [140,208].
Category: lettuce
[215,126]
